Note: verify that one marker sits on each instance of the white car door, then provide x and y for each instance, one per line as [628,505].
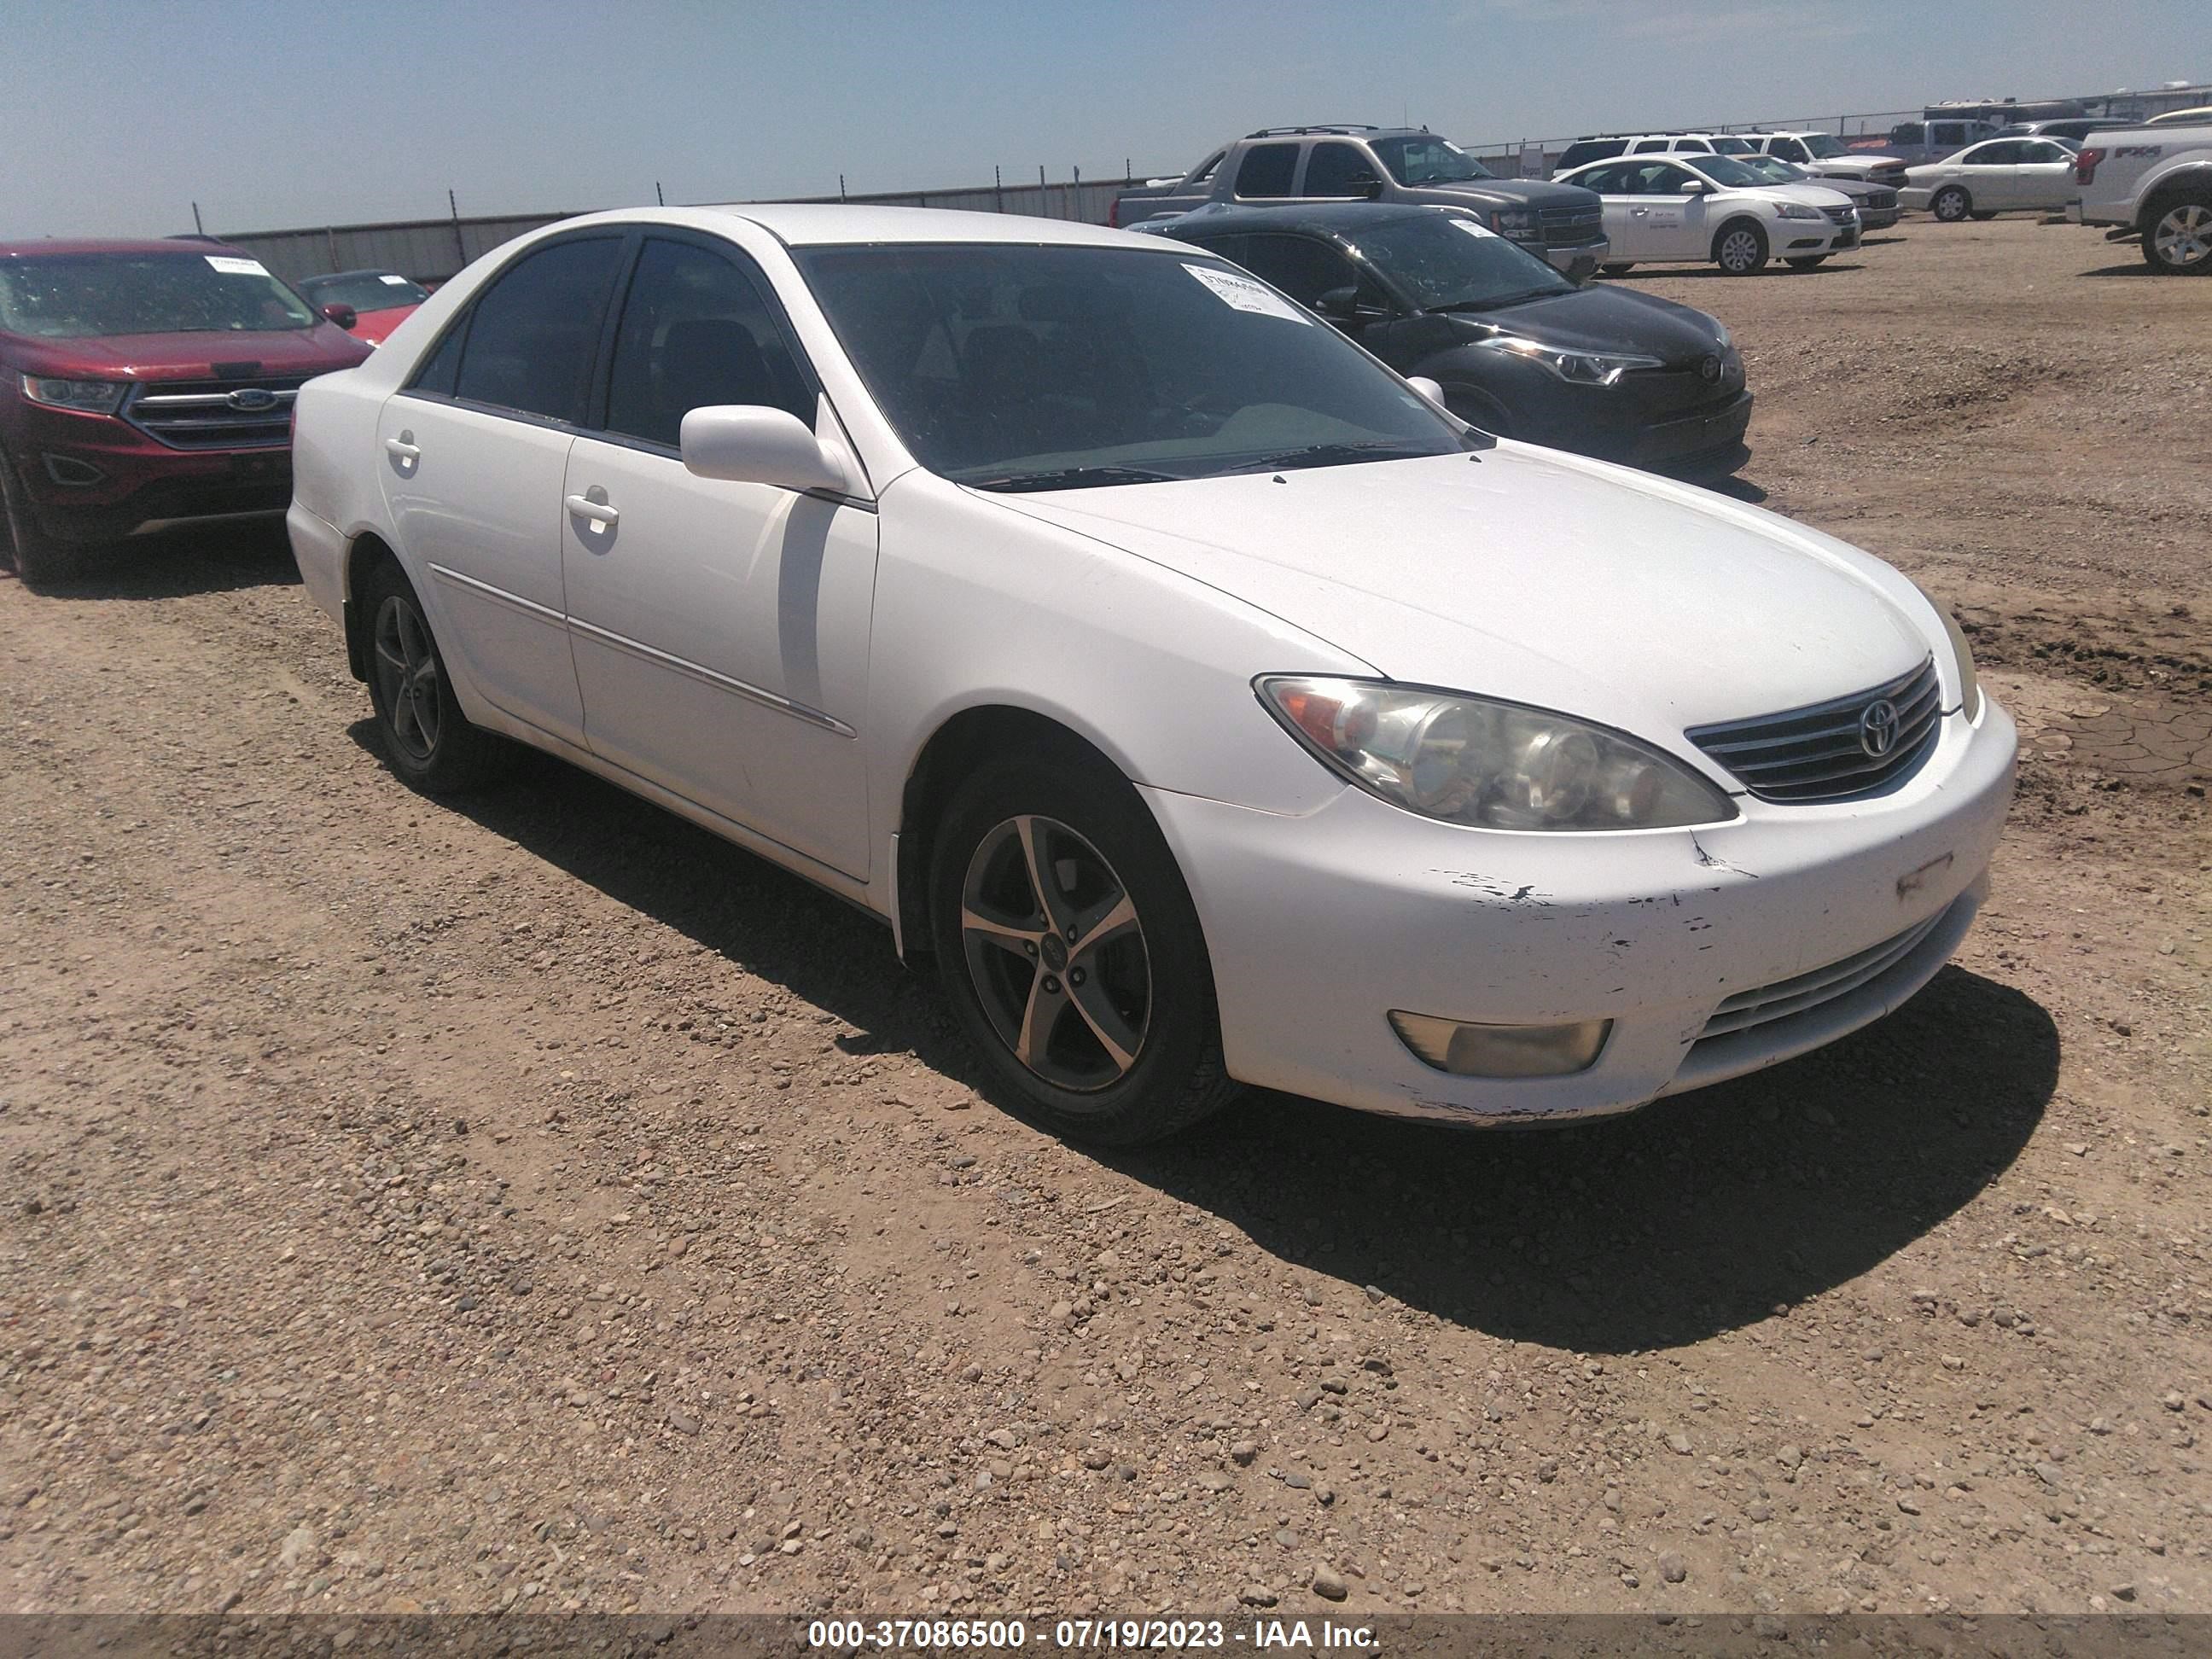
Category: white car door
[720,629]
[1625,228]
[1991,173]
[473,453]
[2045,175]
[1670,206]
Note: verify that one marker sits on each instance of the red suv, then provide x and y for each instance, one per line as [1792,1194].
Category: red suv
[146,381]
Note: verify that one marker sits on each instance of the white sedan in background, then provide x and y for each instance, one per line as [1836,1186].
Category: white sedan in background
[1209,705]
[1999,176]
[1660,211]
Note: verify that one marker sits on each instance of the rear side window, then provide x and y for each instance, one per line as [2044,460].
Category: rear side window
[442,370]
[1301,266]
[1266,170]
[1912,132]
[532,333]
[1586,150]
[695,331]
[1339,170]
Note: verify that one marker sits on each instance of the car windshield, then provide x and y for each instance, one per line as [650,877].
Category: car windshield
[1822,145]
[1425,160]
[1025,367]
[1445,261]
[364,290]
[64,296]
[1725,171]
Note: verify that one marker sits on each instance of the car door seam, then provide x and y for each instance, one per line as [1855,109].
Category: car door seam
[530,607]
[767,699]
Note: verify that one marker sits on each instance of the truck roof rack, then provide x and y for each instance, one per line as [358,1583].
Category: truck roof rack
[1331,126]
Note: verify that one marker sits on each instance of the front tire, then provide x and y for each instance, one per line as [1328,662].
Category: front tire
[427,739]
[1740,248]
[1072,953]
[36,559]
[1951,204]
[2177,241]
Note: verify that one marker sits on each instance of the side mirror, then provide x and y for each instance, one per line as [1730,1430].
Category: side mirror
[1339,305]
[1372,190]
[343,316]
[1696,188]
[1428,388]
[749,443]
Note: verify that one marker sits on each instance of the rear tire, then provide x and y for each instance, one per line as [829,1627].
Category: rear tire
[1951,204]
[1807,262]
[2177,241]
[1740,248]
[36,559]
[1112,1037]
[427,741]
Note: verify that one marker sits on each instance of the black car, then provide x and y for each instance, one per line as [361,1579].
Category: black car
[1519,350]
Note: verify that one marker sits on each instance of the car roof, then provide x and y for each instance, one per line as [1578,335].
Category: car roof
[81,245]
[1333,218]
[814,224]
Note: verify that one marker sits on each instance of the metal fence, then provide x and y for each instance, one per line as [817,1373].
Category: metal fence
[431,249]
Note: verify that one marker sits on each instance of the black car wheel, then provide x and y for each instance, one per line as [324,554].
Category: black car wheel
[35,556]
[427,738]
[1740,248]
[1070,951]
[1951,204]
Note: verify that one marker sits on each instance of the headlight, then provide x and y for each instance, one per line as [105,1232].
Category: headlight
[1962,655]
[1492,765]
[1514,221]
[1581,368]
[93,397]
[1798,210]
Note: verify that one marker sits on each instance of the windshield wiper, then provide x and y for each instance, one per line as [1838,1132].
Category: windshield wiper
[1493,301]
[1329,455]
[1070,478]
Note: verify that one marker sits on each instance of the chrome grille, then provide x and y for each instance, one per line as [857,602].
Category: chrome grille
[1817,753]
[1786,997]
[246,413]
[1881,200]
[1570,227]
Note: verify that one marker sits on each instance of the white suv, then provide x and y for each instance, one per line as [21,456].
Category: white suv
[1660,211]
[1828,156]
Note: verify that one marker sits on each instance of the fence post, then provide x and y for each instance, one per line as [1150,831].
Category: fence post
[998,189]
[1075,196]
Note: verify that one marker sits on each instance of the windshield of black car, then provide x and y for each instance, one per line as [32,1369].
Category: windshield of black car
[66,296]
[997,360]
[1445,260]
[1425,161]
[364,290]
[1723,170]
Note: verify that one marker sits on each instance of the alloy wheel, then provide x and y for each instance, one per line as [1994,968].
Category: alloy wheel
[1056,953]
[1950,206]
[2183,234]
[1738,250]
[407,675]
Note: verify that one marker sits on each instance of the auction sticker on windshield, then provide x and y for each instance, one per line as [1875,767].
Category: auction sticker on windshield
[1481,232]
[230,266]
[1242,294]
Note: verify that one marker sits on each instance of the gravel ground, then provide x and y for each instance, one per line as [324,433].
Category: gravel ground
[543,1204]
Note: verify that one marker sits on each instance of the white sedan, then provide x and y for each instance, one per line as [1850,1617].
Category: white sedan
[1659,211]
[2000,176]
[1212,707]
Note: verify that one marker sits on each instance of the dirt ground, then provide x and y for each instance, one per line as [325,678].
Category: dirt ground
[543,1205]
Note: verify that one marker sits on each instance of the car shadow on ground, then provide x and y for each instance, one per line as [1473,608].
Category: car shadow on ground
[167,564]
[1774,267]
[1695,1216]
[2136,267]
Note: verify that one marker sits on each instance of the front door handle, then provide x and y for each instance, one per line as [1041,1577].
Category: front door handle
[599,513]
[403,449]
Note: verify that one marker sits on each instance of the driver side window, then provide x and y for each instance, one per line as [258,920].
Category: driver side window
[1302,267]
[1337,169]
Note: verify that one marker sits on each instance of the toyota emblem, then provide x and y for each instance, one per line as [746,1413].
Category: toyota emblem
[249,398]
[1710,367]
[1878,727]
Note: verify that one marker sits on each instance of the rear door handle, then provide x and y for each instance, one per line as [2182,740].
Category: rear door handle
[403,449]
[597,512]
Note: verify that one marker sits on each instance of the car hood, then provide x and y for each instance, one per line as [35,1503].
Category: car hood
[316,350]
[1528,573]
[1497,192]
[1601,319]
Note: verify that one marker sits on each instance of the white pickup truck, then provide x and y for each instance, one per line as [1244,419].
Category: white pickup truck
[2152,185]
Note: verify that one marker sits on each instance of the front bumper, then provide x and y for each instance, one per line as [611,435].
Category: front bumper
[92,478]
[1320,925]
[1687,440]
[1577,262]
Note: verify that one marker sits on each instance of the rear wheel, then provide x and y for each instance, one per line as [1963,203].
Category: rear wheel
[1807,262]
[1070,951]
[1951,204]
[1740,248]
[34,556]
[427,738]
[2179,240]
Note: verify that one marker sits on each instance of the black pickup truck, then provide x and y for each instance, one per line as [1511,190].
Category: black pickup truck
[1281,167]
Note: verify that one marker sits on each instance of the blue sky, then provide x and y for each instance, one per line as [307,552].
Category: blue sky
[115,117]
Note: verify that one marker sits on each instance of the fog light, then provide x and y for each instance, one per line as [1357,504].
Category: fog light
[68,469]
[1470,1050]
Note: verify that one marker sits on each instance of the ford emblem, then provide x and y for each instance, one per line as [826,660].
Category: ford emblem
[250,399]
